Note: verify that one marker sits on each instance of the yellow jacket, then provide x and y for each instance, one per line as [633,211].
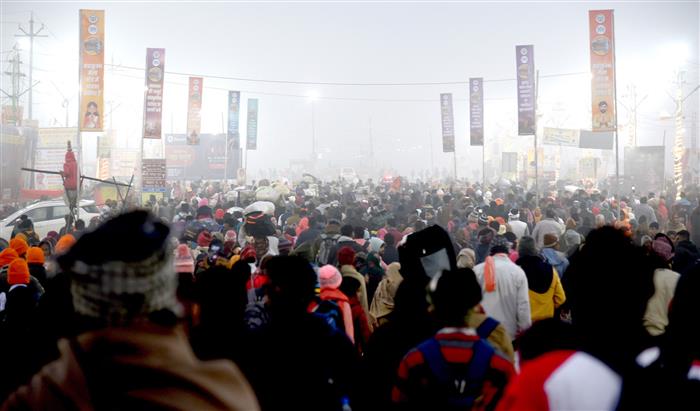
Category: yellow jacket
[542,306]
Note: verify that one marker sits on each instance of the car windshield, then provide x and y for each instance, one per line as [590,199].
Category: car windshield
[90,208]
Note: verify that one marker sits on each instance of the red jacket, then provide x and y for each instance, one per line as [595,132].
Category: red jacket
[70,172]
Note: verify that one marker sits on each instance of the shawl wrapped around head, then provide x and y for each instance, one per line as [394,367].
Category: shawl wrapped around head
[383,302]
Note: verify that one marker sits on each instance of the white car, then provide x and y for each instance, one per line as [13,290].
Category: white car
[47,216]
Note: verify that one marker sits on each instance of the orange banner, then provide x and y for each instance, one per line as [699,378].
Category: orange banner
[92,57]
[602,47]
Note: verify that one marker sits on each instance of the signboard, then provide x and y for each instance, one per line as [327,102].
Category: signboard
[644,167]
[92,41]
[602,48]
[525,79]
[12,158]
[588,167]
[12,115]
[194,110]
[476,111]
[153,101]
[448,129]
[57,137]
[124,162]
[204,161]
[560,137]
[50,159]
[601,140]
[153,174]
[252,126]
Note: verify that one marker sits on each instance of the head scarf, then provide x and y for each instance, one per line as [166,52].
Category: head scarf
[375,244]
[383,302]
[466,258]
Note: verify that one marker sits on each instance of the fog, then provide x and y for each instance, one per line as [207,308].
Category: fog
[379,118]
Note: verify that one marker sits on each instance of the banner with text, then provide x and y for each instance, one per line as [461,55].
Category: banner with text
[153,175]
[560,137]
[602,48]
[232,133]
[194,110]
[525,64]
[252,126]
[153,103]
[476,111]
[448,122]
[92,58]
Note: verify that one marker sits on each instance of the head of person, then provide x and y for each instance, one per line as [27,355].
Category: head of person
[550,241]
[346,230]
[512,239]
[454,295]
[122,285]
[527,247]
[653,229]
[549,212]
[466,258]
[292,285]
[20,246]
[80,225]
[35,255]
[377,245]
[358,233]
[499,245]
[682,235]
[346,256]
[389,240]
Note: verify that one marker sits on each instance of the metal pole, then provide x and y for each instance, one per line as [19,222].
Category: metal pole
[313,135]
[537,160]
[223,131]
[454,158]
[483,166]
[617,140]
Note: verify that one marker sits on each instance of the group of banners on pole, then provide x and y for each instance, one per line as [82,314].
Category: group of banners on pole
[153,101]
[602,48]
[92,57]
[194,110]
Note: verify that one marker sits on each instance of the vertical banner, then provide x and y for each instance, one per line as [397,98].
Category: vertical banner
[153,101]
[194,110]
[252,126]
[92,58]
[476,111]
[448,129]
[525,63]
[602,48]
[233,138]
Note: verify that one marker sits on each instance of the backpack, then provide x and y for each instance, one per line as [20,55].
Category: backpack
[486,328]
[460,388]
[329,312]
[328,243]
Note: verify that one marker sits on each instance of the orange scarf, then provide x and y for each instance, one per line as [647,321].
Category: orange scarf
[490,273]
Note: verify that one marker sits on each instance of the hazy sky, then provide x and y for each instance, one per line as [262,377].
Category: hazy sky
[355,43]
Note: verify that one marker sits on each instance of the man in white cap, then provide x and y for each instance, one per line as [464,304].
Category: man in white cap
[519,228]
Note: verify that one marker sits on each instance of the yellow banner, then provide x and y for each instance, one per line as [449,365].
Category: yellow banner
[92,41]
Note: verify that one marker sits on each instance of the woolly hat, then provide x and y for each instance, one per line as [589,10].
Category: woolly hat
[204,212]
[35,255]
[483,219]
[329,277]
[204,202]
[500,241]
[219,214]
[550,240]
[19,245]
[115,284]
[184,263]
[514,214]
[65,243]
[230,236]
[346,256]
[572,238]
[204,239]
[7,256]
[18,272]
[662,248]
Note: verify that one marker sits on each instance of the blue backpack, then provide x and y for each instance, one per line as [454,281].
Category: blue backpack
[329,312]
[459,388]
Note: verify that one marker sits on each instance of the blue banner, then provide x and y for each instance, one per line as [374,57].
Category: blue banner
[234,107]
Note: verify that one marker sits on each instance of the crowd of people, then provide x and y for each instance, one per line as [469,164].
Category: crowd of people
[330,296]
